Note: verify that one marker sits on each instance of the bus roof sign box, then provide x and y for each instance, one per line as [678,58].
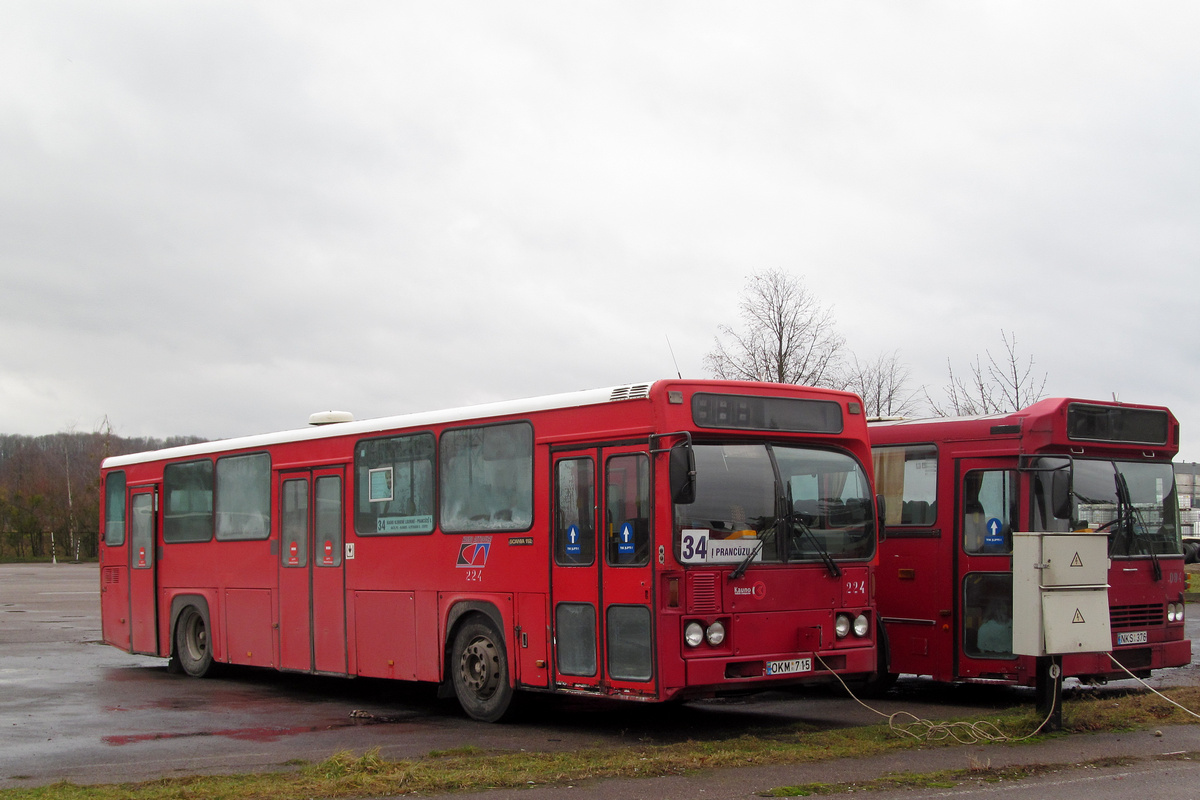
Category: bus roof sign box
[1060,594]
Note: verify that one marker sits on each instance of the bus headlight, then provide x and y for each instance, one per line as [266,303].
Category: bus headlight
[715,633]
[693,634]
[841,626]
[862,626]
[1174,612]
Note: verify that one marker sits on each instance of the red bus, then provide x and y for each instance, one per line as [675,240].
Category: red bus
[956,489]
[656,541]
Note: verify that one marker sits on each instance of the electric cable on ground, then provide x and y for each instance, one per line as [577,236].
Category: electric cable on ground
[1151,688]
[927,730]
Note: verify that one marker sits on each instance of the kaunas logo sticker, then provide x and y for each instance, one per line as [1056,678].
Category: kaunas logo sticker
[758,591]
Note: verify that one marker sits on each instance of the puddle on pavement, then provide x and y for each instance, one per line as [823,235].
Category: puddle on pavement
[263,734]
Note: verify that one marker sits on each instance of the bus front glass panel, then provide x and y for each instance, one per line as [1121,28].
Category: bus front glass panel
[1134,502]
[824,497]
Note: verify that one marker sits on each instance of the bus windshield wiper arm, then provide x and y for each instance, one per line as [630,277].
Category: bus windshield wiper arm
[834,570]
[742,567]
[1136,520]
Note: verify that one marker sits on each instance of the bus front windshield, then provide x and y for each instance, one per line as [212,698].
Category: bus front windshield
[779,503]
[1134,502]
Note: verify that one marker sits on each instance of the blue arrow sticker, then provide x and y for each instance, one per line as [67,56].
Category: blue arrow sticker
[995,533]
[625,546]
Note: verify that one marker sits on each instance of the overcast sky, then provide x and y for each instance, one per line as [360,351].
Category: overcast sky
[218,217]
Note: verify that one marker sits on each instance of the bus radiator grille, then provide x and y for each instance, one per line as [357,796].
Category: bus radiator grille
[702,593]
[1137,616]
[112,575]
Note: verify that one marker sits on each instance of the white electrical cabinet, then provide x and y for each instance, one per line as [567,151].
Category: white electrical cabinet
[1060,593]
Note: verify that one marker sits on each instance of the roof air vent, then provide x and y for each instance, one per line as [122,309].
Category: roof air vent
[636,391]
[330,417]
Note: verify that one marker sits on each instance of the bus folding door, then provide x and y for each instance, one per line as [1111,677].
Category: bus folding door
[143,571]
[312,613]
[986,514]
[601,572]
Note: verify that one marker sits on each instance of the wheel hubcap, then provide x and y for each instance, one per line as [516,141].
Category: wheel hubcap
[480,669]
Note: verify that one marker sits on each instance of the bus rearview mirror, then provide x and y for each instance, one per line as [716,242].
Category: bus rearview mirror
[683,475]
[1060,494]
[881,515]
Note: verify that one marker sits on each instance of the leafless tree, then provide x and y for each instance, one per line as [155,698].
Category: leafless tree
[787,336]
[1001,386]
[882,384]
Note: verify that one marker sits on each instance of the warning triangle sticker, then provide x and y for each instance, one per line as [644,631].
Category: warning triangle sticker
[1078,616]
[1077,561]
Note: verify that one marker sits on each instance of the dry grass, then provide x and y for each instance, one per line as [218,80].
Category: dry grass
[347,775]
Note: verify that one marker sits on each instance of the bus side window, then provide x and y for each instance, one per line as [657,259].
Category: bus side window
[906,476]
[989,509]
[486,478]
[114,509]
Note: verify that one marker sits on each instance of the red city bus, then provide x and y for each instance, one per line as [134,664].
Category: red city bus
[653,542]
[956,489]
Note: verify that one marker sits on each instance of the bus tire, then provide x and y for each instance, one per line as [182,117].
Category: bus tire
[479,671]
[193,647]
[881,681]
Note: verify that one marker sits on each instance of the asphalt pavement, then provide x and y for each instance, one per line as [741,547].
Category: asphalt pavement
[74,709]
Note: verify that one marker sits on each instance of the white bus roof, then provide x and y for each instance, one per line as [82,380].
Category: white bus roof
[635,391]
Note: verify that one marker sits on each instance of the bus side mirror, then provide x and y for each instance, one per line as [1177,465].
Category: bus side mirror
[1060,494]
[683,475]
[881,515]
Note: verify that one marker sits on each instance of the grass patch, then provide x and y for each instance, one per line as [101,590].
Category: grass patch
[941,779]
[346,775]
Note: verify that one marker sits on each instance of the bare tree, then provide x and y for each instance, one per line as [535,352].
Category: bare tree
[882,384]
[787,336]
[1001,386]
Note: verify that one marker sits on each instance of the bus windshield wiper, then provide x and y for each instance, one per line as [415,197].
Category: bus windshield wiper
[1135,521]
[834,570]
[742,567]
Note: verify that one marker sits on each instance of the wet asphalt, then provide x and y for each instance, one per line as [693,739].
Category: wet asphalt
[74,709]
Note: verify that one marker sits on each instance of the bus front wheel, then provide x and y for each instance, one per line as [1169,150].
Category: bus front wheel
[479,671]
[192,642]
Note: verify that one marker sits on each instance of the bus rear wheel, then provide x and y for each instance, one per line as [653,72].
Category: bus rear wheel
[192,642]
[479,671]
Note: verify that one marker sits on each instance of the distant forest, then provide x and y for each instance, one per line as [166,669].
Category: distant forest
[50,491]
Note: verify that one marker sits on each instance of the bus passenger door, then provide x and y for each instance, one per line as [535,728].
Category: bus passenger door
[575,574]
[627,573]
[312,613]
[601,572]
[143,569]
[987,512]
